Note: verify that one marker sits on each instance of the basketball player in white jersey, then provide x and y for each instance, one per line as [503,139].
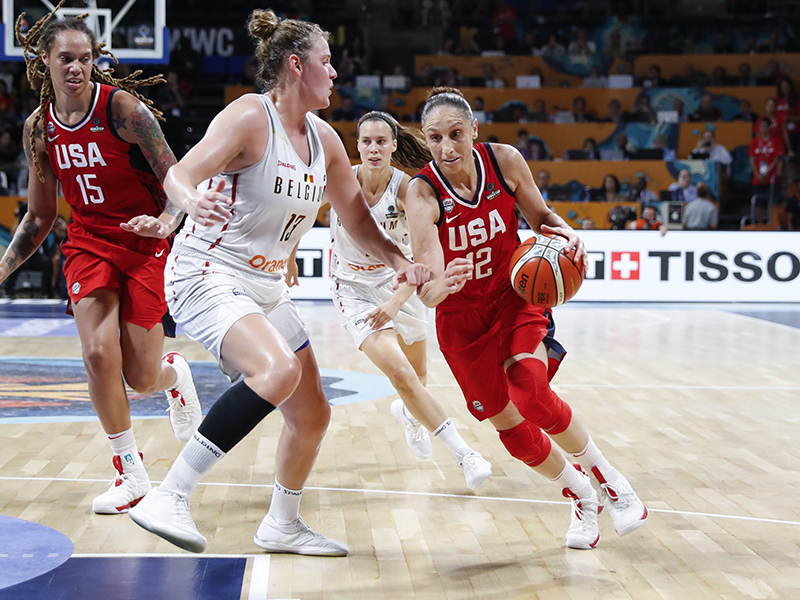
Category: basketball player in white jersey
[391,326]
[251,188]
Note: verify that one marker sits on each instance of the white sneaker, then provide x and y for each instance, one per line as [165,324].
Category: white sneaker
[185,412]
[296,538]
[628,513]
[476,469]
[126,490]
[583,532]
[167,515]
[417,437]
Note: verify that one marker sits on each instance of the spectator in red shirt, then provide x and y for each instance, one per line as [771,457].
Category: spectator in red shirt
[649,220]
[766,151]
[774,118]
[504,19]
[787,107]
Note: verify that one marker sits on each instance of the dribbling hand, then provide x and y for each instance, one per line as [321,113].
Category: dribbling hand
[573,242]
[209,207]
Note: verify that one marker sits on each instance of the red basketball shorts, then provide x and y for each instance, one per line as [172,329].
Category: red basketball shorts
[477,340]
[92,263]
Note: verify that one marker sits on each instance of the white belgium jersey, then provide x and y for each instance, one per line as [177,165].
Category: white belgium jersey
[275,201]
[348,262]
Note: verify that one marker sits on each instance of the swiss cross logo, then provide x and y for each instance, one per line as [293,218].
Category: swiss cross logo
[625,265]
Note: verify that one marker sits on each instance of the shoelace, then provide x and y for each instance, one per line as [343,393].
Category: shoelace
[419,434]
[182,515]
[469,461]
[623,498]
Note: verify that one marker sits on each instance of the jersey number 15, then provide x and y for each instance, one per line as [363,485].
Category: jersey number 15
[91,193]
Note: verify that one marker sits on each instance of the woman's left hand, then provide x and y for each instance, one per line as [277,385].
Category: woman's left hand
[573,243]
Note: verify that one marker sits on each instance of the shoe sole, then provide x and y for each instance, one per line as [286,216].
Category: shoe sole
[167,533]
[635,525]
[115,510]
[476,483]
[583,545]
[277,547]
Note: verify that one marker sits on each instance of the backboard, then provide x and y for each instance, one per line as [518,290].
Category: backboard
[134,30]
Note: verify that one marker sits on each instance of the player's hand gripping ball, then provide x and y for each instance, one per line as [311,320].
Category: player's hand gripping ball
[543,274]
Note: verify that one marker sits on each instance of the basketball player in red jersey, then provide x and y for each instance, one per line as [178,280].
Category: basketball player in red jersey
[104,147]
[460,209]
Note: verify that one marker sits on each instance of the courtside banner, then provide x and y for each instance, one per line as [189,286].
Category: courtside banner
[688,266]
[643,266]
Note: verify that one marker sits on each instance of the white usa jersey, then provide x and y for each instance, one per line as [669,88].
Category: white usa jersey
[274,202]
[348,262]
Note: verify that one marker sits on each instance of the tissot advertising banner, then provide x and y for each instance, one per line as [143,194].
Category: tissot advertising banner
[643,266]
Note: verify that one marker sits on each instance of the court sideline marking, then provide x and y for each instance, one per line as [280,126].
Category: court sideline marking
[430,495]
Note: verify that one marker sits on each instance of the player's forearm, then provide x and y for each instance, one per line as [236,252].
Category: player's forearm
[179,188]
[30,234]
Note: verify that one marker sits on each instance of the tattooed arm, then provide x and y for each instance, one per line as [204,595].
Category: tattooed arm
[42,205]
[135,124]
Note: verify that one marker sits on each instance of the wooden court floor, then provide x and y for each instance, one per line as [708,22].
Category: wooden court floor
[699,406]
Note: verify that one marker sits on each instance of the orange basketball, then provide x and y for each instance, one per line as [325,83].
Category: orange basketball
[543,274]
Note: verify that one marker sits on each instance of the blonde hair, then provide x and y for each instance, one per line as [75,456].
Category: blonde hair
[39,40]
[277,40]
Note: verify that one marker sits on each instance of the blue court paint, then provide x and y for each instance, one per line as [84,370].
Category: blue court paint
[28,550]
[136,578]
[45,390]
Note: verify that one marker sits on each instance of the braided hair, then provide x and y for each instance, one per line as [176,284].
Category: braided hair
[412,152]
[40,38]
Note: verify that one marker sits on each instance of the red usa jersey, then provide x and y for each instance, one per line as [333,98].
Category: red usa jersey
[105,179]
[483,228]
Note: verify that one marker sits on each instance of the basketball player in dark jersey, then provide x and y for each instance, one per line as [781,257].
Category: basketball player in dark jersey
[460,209]
[104,147]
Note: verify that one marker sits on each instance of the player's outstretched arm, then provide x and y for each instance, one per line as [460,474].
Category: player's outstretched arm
[42,205]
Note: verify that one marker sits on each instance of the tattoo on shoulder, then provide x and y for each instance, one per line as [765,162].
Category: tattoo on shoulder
[119,122]
[151,141]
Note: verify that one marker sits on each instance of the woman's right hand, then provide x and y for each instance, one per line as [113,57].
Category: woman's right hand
[456,274]
[209,207]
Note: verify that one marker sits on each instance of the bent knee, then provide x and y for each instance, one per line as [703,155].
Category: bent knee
[276,382]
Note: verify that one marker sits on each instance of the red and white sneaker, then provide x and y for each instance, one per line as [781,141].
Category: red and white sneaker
[583,532]
[185,412]
[127,489]
[628,513]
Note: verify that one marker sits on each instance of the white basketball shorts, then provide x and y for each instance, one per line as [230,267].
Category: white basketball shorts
[206,299]
[354,302]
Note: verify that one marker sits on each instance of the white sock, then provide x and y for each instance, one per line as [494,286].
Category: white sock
[449,436]
[123,444]
[194,461]
[591,456]
[575,480]
[285,504]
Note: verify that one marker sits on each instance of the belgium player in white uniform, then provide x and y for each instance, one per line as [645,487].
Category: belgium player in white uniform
[390,326]
[224,279]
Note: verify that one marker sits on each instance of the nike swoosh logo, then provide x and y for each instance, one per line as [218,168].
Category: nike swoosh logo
[53,139]
[159,253]
[448,219]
